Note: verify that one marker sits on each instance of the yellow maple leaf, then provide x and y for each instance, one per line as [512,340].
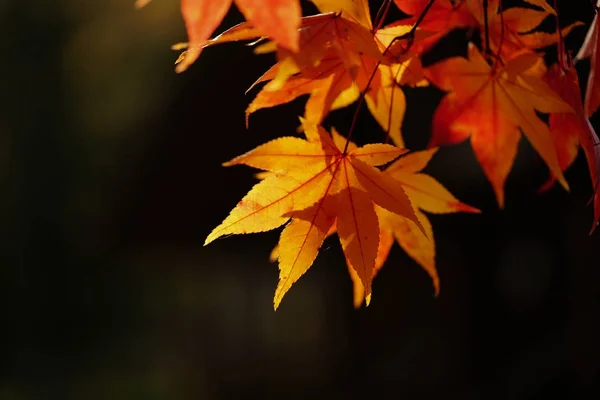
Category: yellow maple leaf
[427,195]
[317,182]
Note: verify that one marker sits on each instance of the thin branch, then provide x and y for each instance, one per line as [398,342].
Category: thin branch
[382,14]
[361,100]
[410,37]
[486,26]
[499,55]
[411,34]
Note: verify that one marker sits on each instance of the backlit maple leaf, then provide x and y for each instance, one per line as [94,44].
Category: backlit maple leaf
[427,195]
[315,183]
[338,58]
[331,86]
[508,31]
[354,10]
[442,17]
[278,19]
[489,105]
[570,130]
[511,31]
[319,35]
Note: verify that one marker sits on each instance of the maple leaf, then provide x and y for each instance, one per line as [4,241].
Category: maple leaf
[315,183]
[565,128]
[591,48]
[385,99]
[570,130]
[427,195]
[331,86]
[511,31]
[489,105]
[508,31]
[319,35]
[343,28]
[354,10]
[338,58]
[278,19]
[442,16]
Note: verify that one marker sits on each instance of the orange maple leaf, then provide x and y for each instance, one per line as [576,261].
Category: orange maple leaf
[319,35]
[278,19]
[509,31]
[354,10]
[490,104]
[315,183]
[332,86]
[338,58]
[570,130]
[443,15]
[428,195]
[329,85]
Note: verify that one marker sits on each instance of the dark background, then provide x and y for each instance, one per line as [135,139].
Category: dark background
[110,180]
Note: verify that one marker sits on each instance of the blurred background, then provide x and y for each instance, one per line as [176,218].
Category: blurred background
[110,181]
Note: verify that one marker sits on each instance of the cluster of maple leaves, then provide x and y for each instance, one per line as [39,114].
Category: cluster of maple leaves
[374,195]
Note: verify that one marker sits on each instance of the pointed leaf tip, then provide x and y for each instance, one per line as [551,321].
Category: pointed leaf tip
[299,245]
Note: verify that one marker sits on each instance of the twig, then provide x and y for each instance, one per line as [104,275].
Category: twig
[486,26]
[410,36]
[499,55]
[382,14]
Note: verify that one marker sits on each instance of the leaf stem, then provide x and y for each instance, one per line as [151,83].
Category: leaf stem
[560,47]
[411,34]
[499,55]
[486,26]
[382,14]
[361,100]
